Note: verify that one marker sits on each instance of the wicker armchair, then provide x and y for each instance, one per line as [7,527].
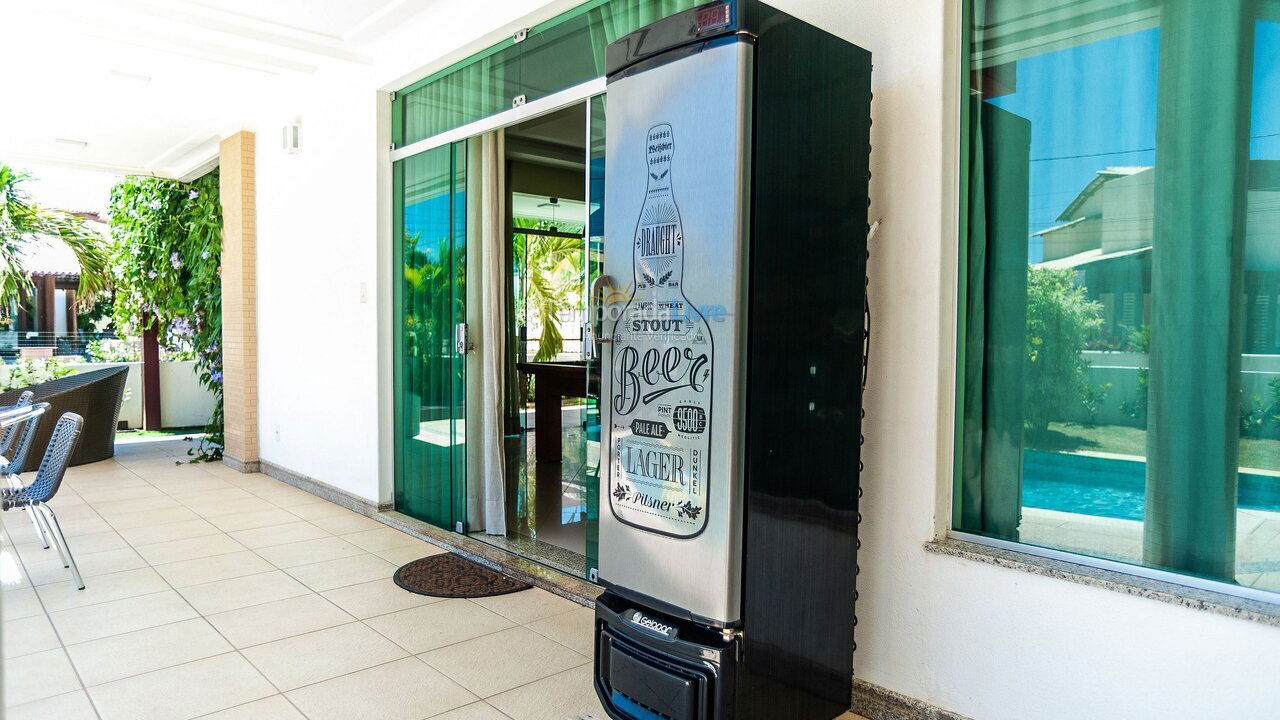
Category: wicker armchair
[95,395]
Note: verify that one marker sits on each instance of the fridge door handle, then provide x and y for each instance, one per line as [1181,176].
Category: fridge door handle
[592,335]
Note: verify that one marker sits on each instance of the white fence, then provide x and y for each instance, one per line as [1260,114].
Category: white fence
[1120,370]
[184,402]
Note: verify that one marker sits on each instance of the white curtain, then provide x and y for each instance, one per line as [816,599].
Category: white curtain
[486,245]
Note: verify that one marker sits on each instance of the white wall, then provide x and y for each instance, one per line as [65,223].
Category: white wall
[184,402]
[980,640]
[319,351]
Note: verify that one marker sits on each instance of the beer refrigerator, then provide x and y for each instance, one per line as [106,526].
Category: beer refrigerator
[730,337]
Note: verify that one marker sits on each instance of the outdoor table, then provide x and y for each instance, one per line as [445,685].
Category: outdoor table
[555,382]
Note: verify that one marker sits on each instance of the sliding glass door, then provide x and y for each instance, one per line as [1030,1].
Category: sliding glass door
[430,368]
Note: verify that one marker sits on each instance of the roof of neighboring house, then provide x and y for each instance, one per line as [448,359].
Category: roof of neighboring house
[1102,178]
[48,255]
[1056,228]
[1088,257]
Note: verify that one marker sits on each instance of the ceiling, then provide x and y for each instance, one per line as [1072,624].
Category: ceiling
[149,86]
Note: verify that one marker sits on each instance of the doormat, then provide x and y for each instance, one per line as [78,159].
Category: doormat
[452,576]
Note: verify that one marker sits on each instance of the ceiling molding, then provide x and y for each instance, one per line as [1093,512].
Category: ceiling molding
[204,32]
[20,156]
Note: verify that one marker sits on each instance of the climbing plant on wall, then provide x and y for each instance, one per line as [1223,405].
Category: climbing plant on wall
[166,249]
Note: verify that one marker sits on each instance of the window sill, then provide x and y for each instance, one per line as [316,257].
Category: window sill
[1190,597]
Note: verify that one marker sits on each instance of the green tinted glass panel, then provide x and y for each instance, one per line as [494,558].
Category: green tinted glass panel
[565,51]
[1119,380]
[430,382]
[593,266]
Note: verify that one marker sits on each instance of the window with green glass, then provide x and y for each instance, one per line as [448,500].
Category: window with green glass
[430,375]
[563,52]
[1119,319]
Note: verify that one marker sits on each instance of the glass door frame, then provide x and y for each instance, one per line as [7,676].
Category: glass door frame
[586,93]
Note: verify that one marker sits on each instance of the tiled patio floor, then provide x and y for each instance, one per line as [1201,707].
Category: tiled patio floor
[221,595]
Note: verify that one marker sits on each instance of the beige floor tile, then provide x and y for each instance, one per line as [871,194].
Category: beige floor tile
[347,522]
[377,597]
[289,497]
[305,659]
[275,707]
[567,694]
[312,511]
[189,484]
[236,593]
[309,551]
[332,574]
[71,706]
[12,575]
[423,692]
[204,497]
[82,545]
[494,663]
[90,564]
[168,532]
[253,519]
[182,691]
[216,567]
[131,492]
[146,518]
[141,651]
[39,676]
[298,531]
[111,509]
[189,549]
[474,711]
[277,620]
[23,532]
[527,606]
[381,539]
[408,553]
[220,508]
[116,586]
[28,635]
[431,626]
[120,616]
[574,629]
[20,603]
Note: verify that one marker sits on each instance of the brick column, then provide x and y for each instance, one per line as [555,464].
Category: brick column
[239,302]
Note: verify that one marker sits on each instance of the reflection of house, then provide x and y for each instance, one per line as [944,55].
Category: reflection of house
[49,313]
[1106,237]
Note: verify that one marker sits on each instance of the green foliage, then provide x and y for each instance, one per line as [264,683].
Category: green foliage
[116,350]
[1060,321]
[552,268]
[1137,407]
[29,371]
[23,222]
[112,350]
[1260,418]
[166,250]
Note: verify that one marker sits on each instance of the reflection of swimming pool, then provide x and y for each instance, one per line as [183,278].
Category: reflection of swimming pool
[1113,488]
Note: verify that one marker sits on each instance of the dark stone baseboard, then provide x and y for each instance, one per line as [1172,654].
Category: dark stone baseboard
[244,466]
[322,489]
[877,703]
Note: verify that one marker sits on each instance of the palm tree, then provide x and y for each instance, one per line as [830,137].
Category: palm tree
[553,269]
[23,222]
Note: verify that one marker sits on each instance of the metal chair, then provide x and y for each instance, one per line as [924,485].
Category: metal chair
[57,455]
[11,433]
[25,431]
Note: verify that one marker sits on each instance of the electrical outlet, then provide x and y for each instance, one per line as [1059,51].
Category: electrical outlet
[277,432]
[364,293]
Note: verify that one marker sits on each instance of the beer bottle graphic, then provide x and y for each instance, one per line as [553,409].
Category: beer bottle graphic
[661,372]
